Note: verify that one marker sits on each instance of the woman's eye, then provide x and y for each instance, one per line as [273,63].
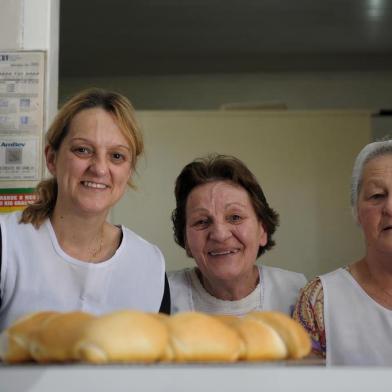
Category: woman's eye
[82,150]
[235,218]
[200,223]
[118,157]
[377,196]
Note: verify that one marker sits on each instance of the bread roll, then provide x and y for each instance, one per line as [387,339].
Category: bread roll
[123,336]
[198,337]
[292,333]
[15,340]
[54,340]
[261,341]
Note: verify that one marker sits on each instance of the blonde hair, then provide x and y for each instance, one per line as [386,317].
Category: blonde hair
[112,102]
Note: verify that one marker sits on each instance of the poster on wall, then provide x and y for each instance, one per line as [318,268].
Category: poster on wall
[22,78]
[15,199]
[22,83]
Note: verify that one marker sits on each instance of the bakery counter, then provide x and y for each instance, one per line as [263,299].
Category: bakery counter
[301,376]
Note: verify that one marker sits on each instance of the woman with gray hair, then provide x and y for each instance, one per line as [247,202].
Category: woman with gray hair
[348,312]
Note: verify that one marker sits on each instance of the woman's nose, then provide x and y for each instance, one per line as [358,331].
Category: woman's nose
[220,231]
[388,205]
[99,165]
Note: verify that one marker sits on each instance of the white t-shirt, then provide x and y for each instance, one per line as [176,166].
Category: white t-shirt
[278,290]
[358,330]
[38,275]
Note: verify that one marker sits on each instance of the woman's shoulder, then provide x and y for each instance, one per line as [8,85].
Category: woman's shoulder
[130,236]
[11,217]
[12,227]
[137,244]
[282,274]
[309,312]
[180,281]
[313,294]
[177,276]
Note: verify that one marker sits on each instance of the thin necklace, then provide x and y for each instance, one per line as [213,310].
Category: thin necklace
[95,252]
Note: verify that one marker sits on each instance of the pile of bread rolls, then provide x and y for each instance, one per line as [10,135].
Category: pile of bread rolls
[138,337]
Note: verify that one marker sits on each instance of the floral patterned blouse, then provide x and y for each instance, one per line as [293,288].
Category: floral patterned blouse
[309,311]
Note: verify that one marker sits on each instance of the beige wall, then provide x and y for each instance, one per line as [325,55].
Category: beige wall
[303,161]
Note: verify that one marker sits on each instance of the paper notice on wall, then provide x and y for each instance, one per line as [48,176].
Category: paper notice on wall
[18,158]
[21,91]
[22,82]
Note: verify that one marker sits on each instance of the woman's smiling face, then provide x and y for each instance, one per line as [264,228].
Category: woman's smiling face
[223,233]
[92,165]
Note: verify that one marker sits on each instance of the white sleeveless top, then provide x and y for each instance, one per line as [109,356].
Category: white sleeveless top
[278,290]
[358,329]
[36,274]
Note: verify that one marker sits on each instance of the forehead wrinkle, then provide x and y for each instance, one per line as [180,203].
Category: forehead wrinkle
[227,187]
[382,163]
[198,209]
[377,175]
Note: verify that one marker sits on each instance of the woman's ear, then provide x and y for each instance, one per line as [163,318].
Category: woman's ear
[50,157]
[263,239]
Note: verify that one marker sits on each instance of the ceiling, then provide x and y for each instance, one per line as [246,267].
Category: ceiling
[130,37]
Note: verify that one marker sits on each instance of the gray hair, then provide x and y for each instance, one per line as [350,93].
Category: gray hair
[369,152]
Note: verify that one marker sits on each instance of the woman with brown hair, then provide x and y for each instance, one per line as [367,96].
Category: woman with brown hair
[223,221]
[61,253]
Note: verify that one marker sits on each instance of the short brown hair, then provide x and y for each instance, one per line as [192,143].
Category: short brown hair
[113,103]
[221,168]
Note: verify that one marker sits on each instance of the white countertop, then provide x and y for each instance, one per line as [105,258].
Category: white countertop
[239,377]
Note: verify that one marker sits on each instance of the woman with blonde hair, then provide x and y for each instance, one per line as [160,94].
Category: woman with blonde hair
[61,253]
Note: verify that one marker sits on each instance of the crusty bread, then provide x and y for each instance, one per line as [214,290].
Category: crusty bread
[293,334]
[168,354]
[261,341]
[198,337]
[133,336]
[15,340]
[123,336]
[231,321]
[225,318]
[54,340]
